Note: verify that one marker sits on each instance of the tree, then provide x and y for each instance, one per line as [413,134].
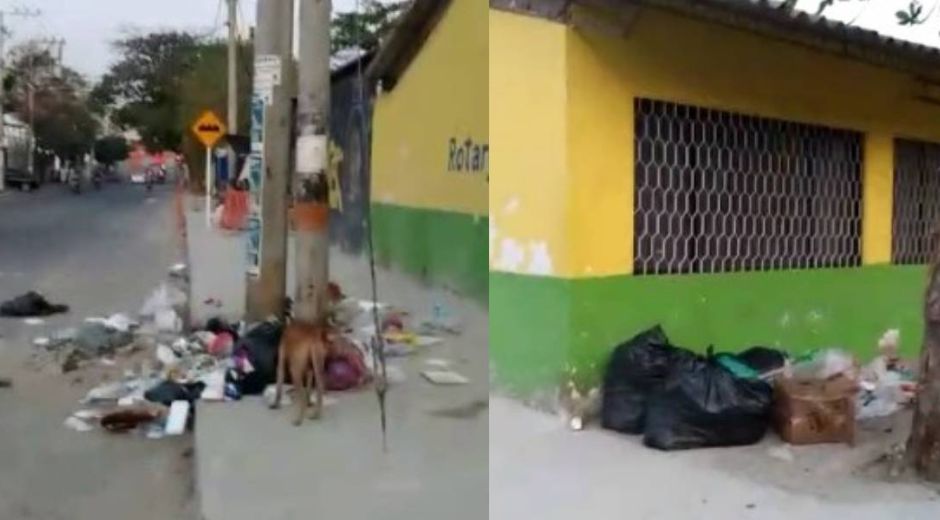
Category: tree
[364,30]
[142,89]
[923,448]
[204,87]
[111,149]
[53,98]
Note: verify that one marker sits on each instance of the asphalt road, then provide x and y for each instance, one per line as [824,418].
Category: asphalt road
[99,252]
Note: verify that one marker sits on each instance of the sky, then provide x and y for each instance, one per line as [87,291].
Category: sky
[89,25]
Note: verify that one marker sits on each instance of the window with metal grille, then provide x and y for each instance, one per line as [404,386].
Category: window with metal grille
[916,201]
[717,191]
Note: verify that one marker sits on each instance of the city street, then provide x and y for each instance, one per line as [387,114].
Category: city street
[100,253]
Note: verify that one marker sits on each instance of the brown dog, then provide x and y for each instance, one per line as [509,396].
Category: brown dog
[304,349]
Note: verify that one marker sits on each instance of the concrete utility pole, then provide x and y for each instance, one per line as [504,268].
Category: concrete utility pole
[25,13]
[232,81]
[271,118]
[311,192]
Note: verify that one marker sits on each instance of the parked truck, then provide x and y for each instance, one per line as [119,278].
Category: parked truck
[20,168]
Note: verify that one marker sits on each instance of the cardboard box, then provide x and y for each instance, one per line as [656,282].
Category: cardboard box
[814,411]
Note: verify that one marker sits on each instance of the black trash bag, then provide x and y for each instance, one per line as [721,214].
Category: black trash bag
[259,346]
[636,369]
[702,404]
[31,304]
[168,391]
[763,359]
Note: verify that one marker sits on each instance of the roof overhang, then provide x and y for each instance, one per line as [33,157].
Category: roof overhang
[769,18]
[405,41]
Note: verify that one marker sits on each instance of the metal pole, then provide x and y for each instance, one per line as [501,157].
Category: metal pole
[208,187]
[3,125]
[311,189]
[271,118]
[232,81]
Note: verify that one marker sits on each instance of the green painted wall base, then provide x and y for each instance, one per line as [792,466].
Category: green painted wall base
[437,246]
[540,327]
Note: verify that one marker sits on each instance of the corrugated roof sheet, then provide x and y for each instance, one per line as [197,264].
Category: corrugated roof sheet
[768,15]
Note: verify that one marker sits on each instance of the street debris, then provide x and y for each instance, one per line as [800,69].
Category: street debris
[176,420]
[6,382]
[160,371]
[33,322]
[31,304]
[74,423]
[444,377]
[126,419]
[678,399]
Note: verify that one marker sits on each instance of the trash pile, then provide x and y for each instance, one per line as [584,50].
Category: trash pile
[30,305]
[678,399]
[222,362]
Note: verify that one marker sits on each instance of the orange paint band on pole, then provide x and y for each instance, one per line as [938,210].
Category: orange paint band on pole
[311,216]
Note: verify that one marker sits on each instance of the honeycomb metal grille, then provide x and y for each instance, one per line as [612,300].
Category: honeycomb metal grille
[916,201]
[717,191]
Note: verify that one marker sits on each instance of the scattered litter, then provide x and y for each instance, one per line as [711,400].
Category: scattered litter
[444,377]
[166,320]
[176,420]
[96,339]
[435,362]
[166,356]
[34,321]
[31,304]
[77,424]
[783,453]
[154,431]
[42,342]
[127,419]
[108,362]
[167,392]
[215,386]
[107,392]
[88,415]
[6,382]
[163,298]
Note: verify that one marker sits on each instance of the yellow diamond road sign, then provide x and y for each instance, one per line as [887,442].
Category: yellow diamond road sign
[209,128]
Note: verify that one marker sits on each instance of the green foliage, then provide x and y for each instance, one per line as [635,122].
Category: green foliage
[203,88]
[111,149]
[60,112]
[914,15]
[143,89]
[364,29]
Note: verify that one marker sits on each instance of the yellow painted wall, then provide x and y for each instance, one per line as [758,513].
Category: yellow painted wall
[528,189]
[680,59]
[441,95]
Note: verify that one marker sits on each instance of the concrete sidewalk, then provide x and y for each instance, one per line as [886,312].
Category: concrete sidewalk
[540,469]
[252,463]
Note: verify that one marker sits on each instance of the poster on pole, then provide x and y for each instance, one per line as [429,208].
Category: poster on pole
[267,76]
[255,185]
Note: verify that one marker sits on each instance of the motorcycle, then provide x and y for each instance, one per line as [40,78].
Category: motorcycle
[75,181]
[96,179]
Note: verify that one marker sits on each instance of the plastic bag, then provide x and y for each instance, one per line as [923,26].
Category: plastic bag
[703,404]
[763,359]
[259,348]
[164,298]
[636,369]
[825,364]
